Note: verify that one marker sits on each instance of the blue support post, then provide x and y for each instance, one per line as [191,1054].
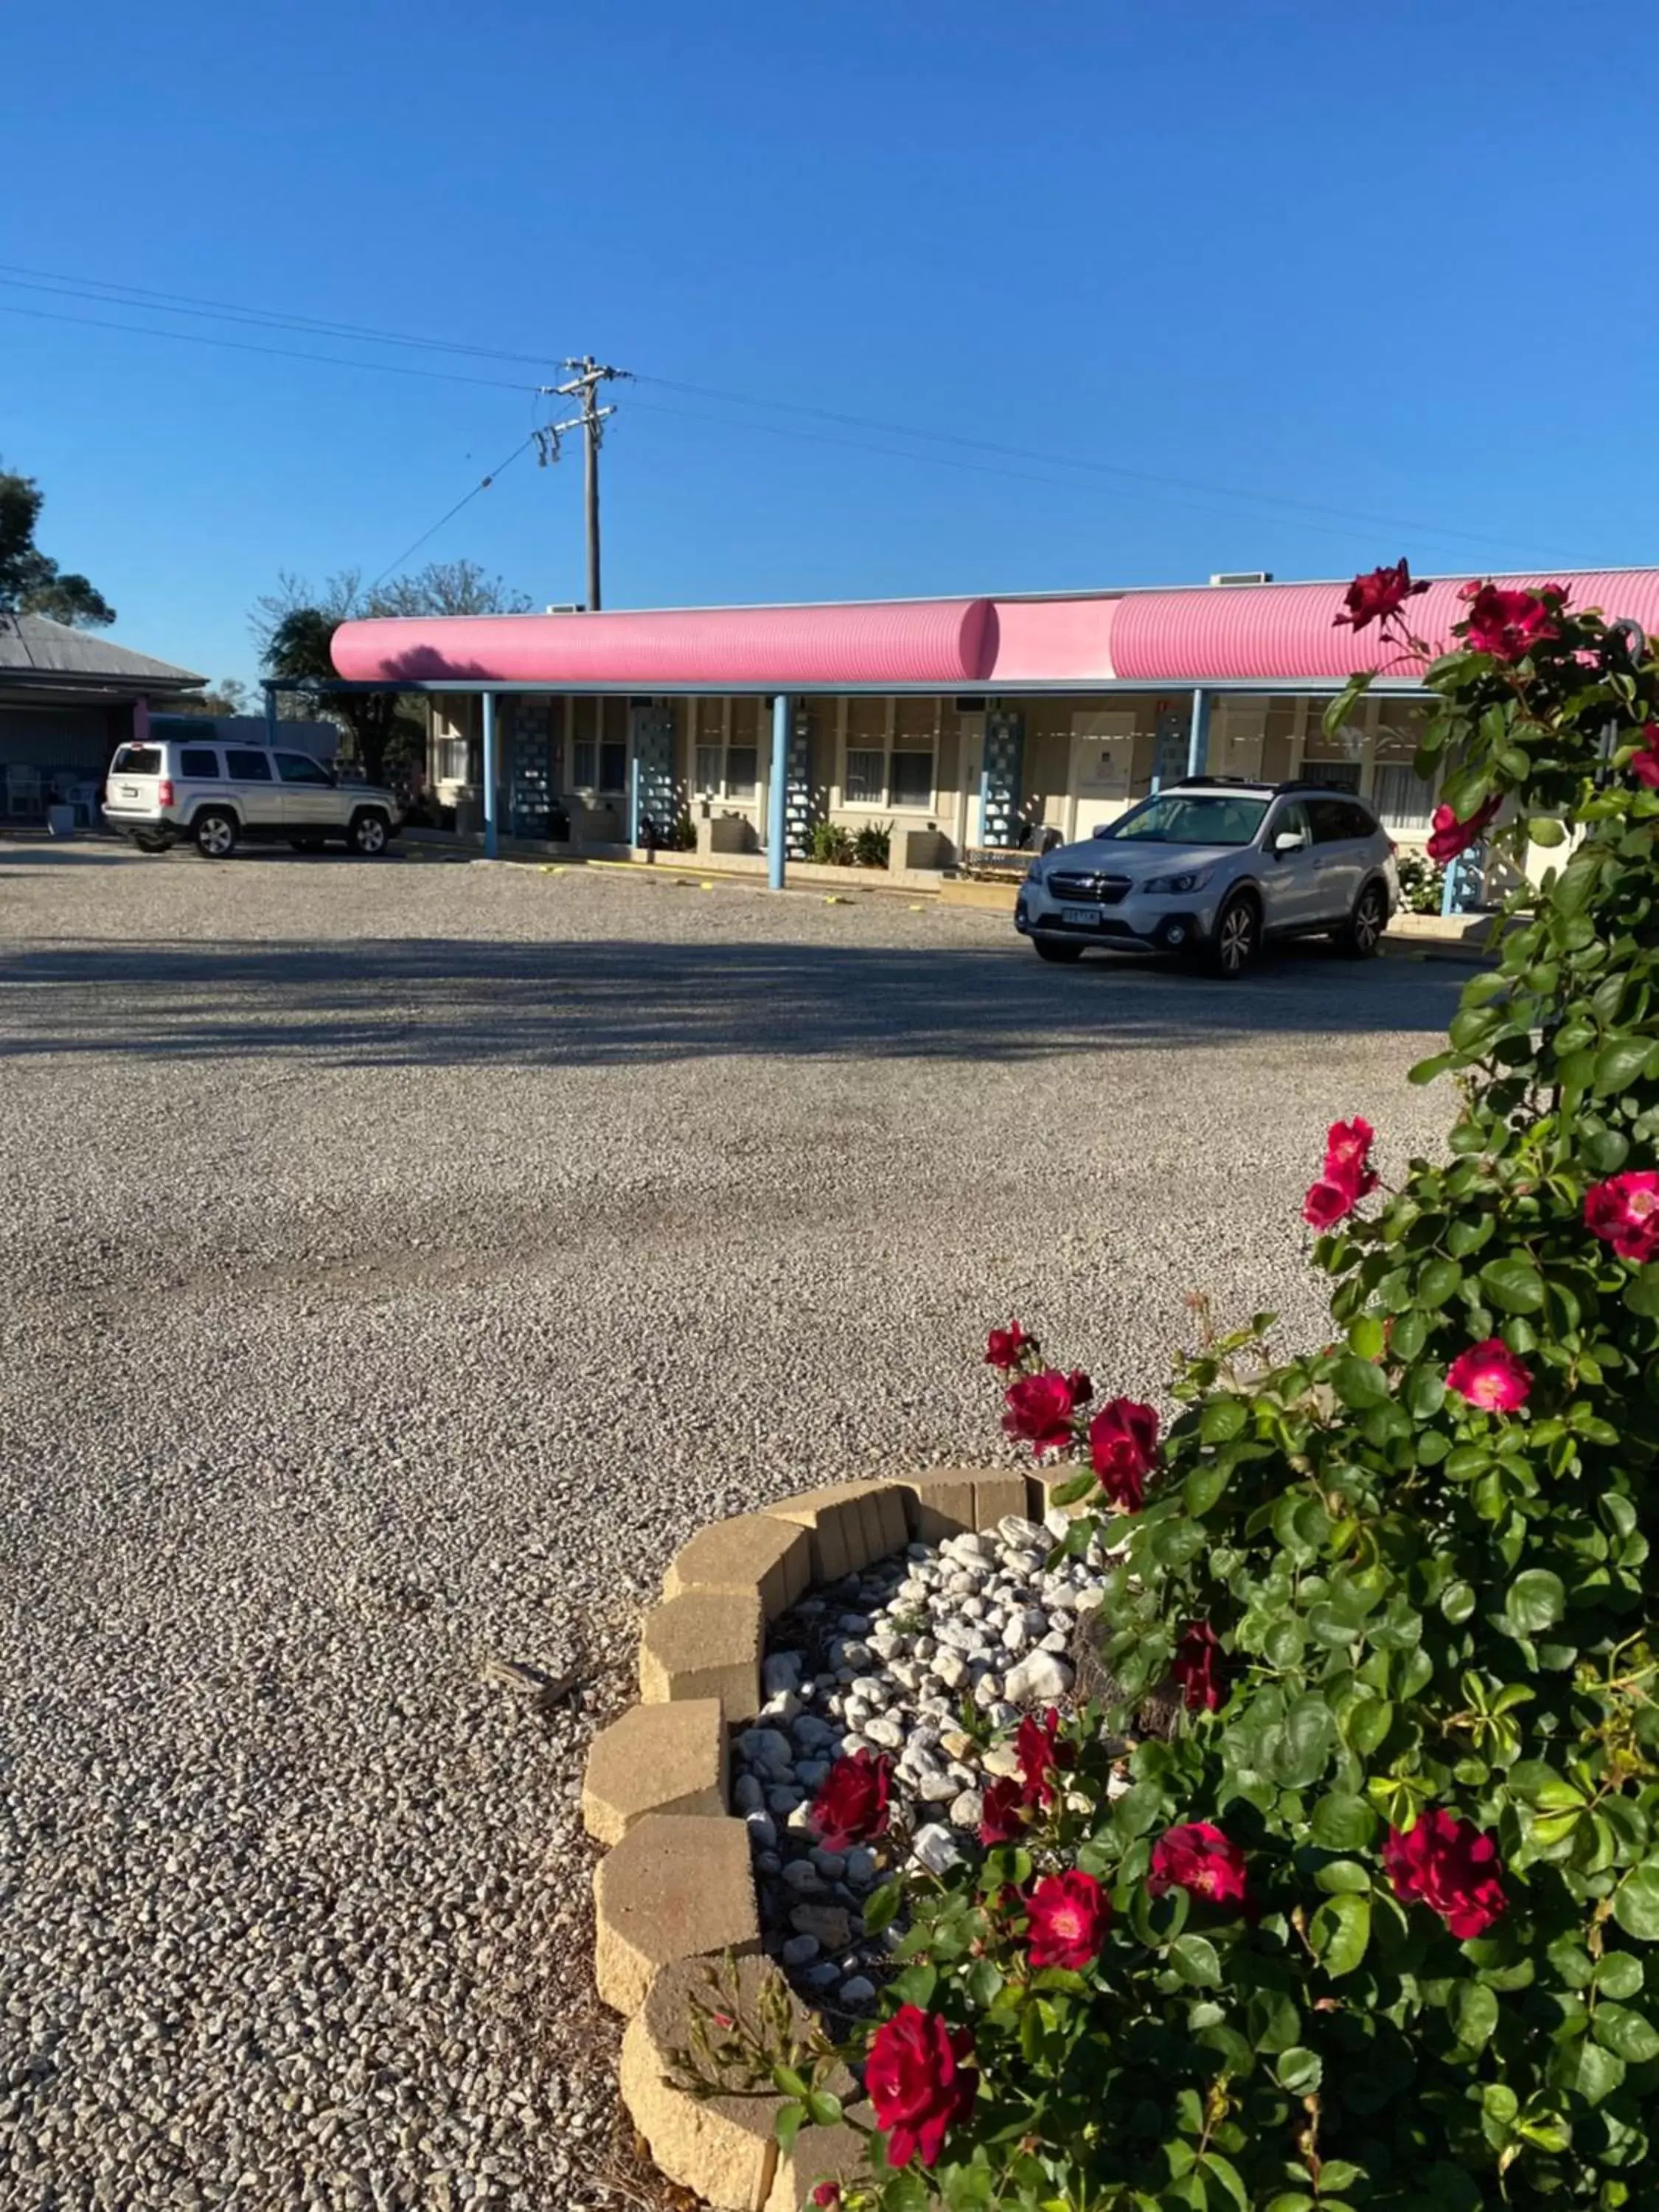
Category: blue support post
[1198,745]
[270,715]
[492,836]
[777,792]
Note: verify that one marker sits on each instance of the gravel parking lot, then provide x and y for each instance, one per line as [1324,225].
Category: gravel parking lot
[401,1260]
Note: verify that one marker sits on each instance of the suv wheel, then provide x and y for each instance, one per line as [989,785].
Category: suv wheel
[1237,938]
[150,840]
[1056,948]
[1361,934]
[367,835]
[215,832]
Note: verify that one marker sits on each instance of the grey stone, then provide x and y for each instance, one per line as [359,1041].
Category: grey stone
[1040,1677]
[799,1950]
[781,1671]
[968,1810]
[858,1990]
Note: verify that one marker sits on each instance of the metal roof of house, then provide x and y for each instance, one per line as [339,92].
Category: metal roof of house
[1224,635]
[33,648]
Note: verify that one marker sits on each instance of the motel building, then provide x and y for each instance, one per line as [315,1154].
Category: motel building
[963,725]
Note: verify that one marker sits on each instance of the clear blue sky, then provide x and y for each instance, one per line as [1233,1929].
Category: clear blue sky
[1383,262]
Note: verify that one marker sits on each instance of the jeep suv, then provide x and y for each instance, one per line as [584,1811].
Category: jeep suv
[215,794]
[1217,867]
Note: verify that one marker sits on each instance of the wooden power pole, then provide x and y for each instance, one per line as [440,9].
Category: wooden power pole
[583,387]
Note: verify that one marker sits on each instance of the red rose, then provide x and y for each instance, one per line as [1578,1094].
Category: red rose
[1068,1915]
[1348,1155]
[1123,1450]
[1508,624]
[1490,1377]
[1624,1212]
[1450,836]
[919,2081]
[851,1806]
[1200,1859]
[1327,1203]
[1002,1817]
[1375,597]
[1646,765]
[1007,1348]
[1449,1866]
[1199,1667]
[1040,1408]
[826,2195]
[1040,1755]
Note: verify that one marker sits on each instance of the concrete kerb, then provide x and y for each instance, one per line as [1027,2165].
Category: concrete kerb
[674,1896]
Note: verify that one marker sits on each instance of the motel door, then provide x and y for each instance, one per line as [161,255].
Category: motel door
[1103,757]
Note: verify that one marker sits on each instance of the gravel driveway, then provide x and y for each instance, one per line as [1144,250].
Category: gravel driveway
[400,1260]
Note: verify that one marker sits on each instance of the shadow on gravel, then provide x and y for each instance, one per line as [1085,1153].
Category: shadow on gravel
[588,1003]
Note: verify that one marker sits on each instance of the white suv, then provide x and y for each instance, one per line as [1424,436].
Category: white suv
[216,793]
[1217,867]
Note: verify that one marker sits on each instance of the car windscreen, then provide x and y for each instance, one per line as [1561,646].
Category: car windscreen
[137,760]
[1183,817]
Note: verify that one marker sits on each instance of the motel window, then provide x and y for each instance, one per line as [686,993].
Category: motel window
[598,746]
[727,762]
[1400,795]
[891,753]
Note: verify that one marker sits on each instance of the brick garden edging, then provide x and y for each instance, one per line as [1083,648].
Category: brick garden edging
[676,1892]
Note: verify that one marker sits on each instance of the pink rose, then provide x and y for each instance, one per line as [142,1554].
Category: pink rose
[851,1806]
[1624,1212]
[1123,1450]
[1646,765]
[1200,1668]
[1508,624]
[1002,1814]
[1489,1376]
[1375,597]
[1040,1755]
[1043,1409]
[1327,1203]
[1348,1155]
[1449,836]
[919,2083]
[1007,1348]
[1068,1915]
[1449,1866]
[1200,1859]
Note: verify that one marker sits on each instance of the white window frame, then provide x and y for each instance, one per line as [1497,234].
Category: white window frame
[596,794]
[701,737]
[891,744]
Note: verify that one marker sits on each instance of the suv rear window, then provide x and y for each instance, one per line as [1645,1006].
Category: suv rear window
[1336,819]
[200,762]
[137,760]
[242,766]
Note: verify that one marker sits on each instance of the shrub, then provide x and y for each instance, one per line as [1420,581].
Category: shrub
[872,844]
[1376,1924]
[1422,883]
[832,846]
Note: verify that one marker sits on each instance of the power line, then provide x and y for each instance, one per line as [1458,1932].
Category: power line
[482,484]
[280,352]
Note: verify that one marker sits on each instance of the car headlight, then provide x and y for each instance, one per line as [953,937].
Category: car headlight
[1190,880]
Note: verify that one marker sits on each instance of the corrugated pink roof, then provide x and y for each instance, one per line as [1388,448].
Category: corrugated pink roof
[1255,632]
[943,642]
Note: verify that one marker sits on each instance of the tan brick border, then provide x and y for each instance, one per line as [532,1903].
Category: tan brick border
[676,1892]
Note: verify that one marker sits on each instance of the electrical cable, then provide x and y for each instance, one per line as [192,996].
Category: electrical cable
[484,484]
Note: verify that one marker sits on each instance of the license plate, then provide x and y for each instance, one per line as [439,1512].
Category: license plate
[1082,917]
[128,791]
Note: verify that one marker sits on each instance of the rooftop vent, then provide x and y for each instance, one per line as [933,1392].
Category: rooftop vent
[1243,576]
[574,607]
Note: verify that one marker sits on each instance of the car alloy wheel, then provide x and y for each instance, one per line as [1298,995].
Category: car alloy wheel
[1366,928]
[216,836]
[368,834]
[1236,938]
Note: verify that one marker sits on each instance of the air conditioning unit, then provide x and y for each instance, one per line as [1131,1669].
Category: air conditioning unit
[1244,576]
[570,607]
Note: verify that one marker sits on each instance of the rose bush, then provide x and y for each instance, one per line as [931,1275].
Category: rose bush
[1377,1926]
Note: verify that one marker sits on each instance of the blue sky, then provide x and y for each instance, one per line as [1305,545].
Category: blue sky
[1283,286]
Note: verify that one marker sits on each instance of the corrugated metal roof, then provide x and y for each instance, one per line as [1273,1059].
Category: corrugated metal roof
[33,645]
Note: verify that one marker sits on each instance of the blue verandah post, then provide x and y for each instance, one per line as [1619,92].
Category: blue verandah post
[492,839]
[1198,745]
[777,792]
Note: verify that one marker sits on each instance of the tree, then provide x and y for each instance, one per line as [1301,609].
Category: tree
[31,581]
[230,697]
[293,628]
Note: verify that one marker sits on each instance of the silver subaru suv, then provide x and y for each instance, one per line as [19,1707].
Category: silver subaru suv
[1217,867]
[216,793]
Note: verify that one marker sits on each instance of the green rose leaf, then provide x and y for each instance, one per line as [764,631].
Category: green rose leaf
[1299,2071]
[1635,1902]
[1474,2013]
[880,1906]
[1342,1824]
[1536,1599]
[1626,2032]
[1358,1383]
[1619,1063]
[1514,1285]
[1641,1293]
[1589,2069]
[1195,1960]
[1340,1932]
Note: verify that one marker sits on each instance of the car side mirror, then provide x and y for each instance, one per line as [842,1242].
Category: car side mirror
[1289,840]
[1101,830]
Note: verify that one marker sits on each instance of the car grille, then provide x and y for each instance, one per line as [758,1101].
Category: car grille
[1090,890]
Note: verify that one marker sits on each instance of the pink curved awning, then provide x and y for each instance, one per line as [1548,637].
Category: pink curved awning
[1244,633]
[943,642]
